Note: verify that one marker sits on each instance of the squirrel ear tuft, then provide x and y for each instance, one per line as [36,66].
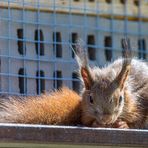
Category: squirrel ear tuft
[126,66]
[83,62]
[124,77]
[86,76]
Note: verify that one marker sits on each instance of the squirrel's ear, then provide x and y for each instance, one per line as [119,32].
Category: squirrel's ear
[126,66]
[124,77]
[87,78]
[82,60]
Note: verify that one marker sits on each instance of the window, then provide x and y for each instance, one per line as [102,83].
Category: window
[108,48]
[40,82]
[75,82]
[123,1]
[91,0]
[141,49]
[91,49]
[108,1]
[20,42]
[22,81]
[57,84]
[137,2]
[39,45]
[74,37]
[57,46]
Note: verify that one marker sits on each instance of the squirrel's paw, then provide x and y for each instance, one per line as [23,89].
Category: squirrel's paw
[120,124]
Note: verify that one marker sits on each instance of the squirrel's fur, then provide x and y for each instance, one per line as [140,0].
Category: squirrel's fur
[135,107]
[60,108]
[116,94]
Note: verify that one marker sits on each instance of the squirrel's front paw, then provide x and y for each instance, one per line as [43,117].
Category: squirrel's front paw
[120,124]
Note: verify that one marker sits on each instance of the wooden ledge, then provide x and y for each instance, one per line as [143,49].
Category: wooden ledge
[47,136]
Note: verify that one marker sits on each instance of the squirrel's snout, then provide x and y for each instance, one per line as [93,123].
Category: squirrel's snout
[105,119]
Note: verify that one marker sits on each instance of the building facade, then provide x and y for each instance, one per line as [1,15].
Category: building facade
[36,38]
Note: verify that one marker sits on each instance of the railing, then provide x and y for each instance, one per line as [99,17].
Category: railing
[23,135]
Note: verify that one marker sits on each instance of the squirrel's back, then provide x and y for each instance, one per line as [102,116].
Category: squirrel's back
[61,107]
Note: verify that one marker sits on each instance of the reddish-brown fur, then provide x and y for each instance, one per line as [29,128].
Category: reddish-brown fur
[60,107]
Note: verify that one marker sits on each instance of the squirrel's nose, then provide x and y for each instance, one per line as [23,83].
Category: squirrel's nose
[106,119]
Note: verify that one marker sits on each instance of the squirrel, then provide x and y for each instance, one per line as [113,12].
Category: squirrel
[112,96]
[115,95]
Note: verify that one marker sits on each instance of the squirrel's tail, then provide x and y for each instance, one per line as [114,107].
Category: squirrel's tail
[61,107]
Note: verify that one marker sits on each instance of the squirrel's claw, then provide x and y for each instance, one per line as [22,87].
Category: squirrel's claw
[120,124]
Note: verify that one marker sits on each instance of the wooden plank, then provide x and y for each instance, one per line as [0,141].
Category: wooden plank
[61,135]
[62,10]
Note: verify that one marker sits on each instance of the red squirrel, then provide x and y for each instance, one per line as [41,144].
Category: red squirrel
[115,95]
[112,96]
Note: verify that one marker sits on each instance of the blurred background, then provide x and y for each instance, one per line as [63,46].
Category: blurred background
[35,39]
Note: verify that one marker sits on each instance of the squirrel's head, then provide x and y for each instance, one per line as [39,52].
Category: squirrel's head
[103,93]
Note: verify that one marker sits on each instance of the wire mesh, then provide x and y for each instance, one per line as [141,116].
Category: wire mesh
[35,39]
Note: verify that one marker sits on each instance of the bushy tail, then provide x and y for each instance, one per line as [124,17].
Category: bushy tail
[61,107]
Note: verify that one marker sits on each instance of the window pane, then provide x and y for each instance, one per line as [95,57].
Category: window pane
[108,48]
[39,45]
[57,44]
[91,49]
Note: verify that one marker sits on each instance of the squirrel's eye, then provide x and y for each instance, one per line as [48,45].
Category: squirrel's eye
[120,99]
[91,99]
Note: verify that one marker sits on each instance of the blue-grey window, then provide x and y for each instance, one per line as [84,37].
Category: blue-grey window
[108,1]
[91,48]
[91,0]
[108,48]
[137,2]
[75,82]
[22,81]
[123,1]
[40,82]
[57,44]
[20,42]
[74,37]
[141,49]
[39,39]
[57,83]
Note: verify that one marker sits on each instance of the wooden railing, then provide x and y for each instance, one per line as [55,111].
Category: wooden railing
[25,135]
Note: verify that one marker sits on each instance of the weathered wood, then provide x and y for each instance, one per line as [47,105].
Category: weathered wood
[43,134]
[64,10]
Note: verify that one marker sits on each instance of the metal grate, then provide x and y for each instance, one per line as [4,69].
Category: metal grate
[35,38]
